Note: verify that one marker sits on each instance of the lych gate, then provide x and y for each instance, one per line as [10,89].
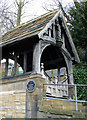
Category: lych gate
[39,46]
[45,39]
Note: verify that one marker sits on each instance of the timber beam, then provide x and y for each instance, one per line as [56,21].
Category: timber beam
[66,53]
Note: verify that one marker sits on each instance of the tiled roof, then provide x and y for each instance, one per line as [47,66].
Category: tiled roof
[33,27]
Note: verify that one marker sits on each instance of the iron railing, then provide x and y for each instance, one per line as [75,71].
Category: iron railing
[75,87]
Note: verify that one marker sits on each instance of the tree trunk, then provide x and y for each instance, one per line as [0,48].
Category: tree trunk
[19,13]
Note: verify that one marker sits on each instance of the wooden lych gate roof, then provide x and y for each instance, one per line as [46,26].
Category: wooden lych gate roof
[38,27]
[31,28]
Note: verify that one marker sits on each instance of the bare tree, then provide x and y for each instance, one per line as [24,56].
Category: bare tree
[9,17]
[19,7]
[57,4]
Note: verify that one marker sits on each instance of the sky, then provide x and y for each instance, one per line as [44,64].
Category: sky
[34,8]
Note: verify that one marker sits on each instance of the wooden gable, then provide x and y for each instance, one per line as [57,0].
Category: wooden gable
[57,30]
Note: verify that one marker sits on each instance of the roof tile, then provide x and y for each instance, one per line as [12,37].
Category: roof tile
[33,26]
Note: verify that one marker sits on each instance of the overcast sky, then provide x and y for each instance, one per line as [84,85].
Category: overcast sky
[34,8]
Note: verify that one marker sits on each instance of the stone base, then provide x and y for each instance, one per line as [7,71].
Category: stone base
[71,92]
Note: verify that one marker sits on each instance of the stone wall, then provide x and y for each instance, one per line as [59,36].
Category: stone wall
[62,109]
[13,97]
[17,102]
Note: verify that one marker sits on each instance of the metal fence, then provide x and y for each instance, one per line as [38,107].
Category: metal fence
[75,87]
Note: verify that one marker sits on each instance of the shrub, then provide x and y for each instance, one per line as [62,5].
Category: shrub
[80,77]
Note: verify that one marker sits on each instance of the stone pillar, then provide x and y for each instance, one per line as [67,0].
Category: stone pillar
[34,99]
[36,58]
[71,92]
[6,67]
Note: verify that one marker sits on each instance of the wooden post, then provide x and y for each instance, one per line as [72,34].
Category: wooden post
[59,32]
[6,67]
[49,32]
[58,74]
[36,58]
[63,39]
[25,62]
[54,35]
[15,65]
